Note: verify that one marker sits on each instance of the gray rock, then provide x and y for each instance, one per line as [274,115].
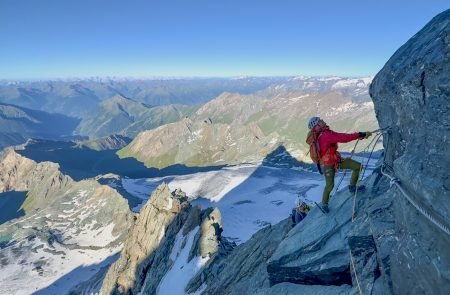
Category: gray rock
[411,95]
[364,264]
[289,288]
[158,219]
[244,269]
[210,234]
[315,251]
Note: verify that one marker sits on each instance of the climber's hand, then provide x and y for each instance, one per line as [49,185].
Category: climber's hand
[364,135]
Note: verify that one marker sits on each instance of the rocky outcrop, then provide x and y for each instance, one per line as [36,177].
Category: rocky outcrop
[166,227]
[244,269]
[314,253]
[411,95]
[66,225]
[50,192]
[127,275]
[41,180]
[211,231]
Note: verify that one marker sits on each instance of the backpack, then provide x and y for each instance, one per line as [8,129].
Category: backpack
[302,215]
[314,148]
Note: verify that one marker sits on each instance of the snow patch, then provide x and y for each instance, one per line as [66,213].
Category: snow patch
[182,270]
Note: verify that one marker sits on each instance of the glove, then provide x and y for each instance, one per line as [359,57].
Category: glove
[364,135]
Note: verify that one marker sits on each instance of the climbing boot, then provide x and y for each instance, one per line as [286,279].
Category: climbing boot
[325,208]
[352,188]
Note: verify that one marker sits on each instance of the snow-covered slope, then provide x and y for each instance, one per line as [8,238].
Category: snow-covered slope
[68,230]
[249,197]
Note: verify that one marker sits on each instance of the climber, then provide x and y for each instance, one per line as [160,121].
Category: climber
[323,150]
[299,212]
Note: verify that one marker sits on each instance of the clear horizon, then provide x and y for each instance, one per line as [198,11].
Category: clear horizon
[50,40]
[171,77]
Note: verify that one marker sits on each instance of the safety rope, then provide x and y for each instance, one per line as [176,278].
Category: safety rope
[396,182]
[345,171]
[354,271]
[380,131]
[377,137]
[356,192]
[371,152]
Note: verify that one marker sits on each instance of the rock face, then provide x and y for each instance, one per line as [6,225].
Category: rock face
[18,173]
[313,253]
[244,269]
[128,273]
[411,95]
[167,230]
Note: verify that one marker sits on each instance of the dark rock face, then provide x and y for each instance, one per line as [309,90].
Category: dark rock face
[411,94]
[364,264]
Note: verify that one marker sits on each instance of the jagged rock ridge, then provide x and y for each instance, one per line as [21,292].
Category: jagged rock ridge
[167,227]
[65,224]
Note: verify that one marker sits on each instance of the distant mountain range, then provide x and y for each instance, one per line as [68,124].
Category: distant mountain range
[78,97]
[17,124]
[121,115]
[235,128]
[219,121]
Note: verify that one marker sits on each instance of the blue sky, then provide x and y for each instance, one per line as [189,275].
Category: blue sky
[68,38]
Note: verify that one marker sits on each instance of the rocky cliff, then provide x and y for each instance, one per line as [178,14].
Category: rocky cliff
[411,95]
[167,232]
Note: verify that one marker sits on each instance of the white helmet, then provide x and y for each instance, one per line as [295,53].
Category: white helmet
[313,121]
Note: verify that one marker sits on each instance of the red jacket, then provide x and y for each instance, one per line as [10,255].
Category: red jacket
[328,142]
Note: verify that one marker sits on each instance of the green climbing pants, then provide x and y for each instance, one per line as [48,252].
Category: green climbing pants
[329,172]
